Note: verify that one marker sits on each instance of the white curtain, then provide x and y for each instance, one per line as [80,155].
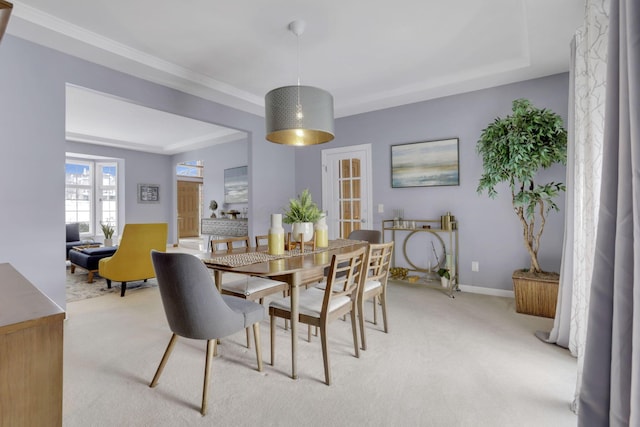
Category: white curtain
[584,173]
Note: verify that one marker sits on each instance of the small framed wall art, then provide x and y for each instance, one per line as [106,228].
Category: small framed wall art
[425,164]
[148,193]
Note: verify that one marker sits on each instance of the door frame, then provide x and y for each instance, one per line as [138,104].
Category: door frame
[366,180]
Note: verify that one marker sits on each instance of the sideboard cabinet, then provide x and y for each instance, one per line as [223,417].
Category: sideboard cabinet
[223,227]
[31,343]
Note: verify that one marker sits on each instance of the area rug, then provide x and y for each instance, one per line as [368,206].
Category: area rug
[78,288]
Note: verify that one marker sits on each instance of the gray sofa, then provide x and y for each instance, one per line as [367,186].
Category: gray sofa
[73,237]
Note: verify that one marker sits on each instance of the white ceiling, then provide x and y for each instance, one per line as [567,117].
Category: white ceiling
[370,54]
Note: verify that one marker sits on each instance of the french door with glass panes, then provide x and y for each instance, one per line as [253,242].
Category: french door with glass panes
[346,189]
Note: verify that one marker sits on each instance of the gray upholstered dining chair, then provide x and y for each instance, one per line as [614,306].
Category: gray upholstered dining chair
[371,236]
[318,307]
[195,309]
[375,285]
[251,288]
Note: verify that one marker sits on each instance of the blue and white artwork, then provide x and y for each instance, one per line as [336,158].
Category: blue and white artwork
[425,164]
[236,185]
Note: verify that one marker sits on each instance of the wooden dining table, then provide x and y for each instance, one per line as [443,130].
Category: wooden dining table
[294,267]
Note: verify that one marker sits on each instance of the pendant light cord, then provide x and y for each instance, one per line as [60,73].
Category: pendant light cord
[298,49]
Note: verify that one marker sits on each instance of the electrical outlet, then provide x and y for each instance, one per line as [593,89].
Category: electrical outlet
[380,208]
[475,266]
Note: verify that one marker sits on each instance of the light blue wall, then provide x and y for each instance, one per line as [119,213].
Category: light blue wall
[216,159]
[33,146]
[490,232]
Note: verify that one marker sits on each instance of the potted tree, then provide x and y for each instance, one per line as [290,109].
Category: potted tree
[513,150]
[301,214]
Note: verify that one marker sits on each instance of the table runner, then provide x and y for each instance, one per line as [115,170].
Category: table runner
[242,259]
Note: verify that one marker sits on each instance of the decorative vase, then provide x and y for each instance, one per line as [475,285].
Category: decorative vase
[444,282]
[276,235]
[322,232]
[305,228]
[108,242]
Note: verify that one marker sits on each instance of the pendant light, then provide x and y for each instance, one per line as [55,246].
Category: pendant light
[5,12]
[299,115]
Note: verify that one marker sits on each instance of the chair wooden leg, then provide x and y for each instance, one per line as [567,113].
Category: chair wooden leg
[375,311]
[211,344]
[123,288]
[256,337]
[354,330]
[383,300]
[272,323]
[108,283]
[73,269]
[248,338]
[361,321]
[325,354]
[163,362]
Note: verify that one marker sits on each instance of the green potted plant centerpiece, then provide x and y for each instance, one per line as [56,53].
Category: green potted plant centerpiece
[107,230]
[513,150]
[301,214]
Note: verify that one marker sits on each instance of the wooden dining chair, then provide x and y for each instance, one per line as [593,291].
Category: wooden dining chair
[252,288]
[319,307]
[262,240]
[195,309]
[374,285]
[371,236]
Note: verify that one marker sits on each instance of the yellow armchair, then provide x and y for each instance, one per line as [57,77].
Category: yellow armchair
[132,260]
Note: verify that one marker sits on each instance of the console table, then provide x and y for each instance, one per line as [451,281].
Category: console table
[223,227]
[30,353]
[446,248]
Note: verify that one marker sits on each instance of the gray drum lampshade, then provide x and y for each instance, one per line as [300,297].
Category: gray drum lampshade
[299,115]
[5,12]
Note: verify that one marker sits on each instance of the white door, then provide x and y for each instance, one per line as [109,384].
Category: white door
[346,189]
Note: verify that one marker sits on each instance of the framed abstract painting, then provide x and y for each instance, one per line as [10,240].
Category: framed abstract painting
[425,164]
[236,185]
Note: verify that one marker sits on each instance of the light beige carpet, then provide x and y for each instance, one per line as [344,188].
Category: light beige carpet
[78,288]
[468,361]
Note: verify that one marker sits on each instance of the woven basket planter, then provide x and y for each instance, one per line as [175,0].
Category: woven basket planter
[536,295]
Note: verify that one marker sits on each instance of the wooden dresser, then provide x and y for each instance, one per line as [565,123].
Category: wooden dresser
[31,331]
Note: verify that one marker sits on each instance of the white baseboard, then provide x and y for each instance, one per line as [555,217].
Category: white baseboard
[486,291]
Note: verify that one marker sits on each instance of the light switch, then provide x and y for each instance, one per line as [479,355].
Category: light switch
[380,208]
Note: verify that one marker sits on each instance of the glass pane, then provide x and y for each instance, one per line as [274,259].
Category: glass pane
[356,184]
[346,209]
[345,191]
[78,173]
[108,175]
[108,194]
[356,209]
[346,229]
[355,167]
[190,168]
[345,169]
